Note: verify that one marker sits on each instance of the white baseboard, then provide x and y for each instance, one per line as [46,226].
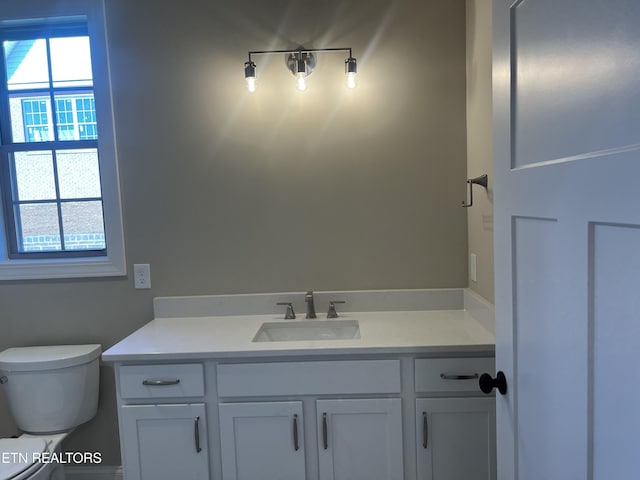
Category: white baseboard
[97,472]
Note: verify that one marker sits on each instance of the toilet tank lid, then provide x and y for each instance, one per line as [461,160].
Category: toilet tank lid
[23,359]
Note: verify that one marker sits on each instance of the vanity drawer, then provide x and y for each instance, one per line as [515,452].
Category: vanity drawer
[451,374]
[161,381]
[309,378]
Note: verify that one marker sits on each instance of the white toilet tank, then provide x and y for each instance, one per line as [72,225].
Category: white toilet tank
[51,389]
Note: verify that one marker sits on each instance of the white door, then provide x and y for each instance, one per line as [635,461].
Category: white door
[567,237]
[262,440]
[360,439]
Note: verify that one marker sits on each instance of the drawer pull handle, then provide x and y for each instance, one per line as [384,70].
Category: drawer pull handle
[196,431]
[160,382]
[296,447]
[444,376]
[325,433]
[425,430]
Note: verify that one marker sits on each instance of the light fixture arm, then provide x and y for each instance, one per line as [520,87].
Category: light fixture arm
[299,50]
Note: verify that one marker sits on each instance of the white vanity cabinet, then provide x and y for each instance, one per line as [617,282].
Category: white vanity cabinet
[161,435]
[352,438]
[360,439]
[262,440]
[357,439]
[165,441]
[323,417]
[455,435]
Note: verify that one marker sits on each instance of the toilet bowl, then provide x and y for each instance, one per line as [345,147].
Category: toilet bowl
[25,457]
[50,391]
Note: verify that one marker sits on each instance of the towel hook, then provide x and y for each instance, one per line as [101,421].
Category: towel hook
[482,180]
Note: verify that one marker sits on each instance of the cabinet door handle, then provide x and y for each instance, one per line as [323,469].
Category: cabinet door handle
[425,430]
[445,376]
[196,432]
[159,382]
[325,433]
[295,433]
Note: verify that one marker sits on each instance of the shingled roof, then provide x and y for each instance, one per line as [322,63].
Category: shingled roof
[15,53]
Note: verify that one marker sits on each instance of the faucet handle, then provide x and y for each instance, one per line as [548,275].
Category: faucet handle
[332,308]
[290,314]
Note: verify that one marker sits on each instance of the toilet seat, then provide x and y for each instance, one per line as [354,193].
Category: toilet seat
[18,457]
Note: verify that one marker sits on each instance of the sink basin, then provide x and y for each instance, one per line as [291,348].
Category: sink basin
[308,330]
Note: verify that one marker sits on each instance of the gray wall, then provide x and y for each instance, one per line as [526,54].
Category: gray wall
[480,142]
[225,191]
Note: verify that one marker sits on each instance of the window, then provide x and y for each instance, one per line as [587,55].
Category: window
[58,172]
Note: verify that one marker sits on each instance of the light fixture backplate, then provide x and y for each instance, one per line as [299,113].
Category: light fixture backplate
[292,61]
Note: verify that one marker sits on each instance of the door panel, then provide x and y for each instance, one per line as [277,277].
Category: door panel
[615,339]
[544,385]
[575,78]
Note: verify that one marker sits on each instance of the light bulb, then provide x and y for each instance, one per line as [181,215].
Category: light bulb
[351,69]
[301,83]
[250,75]
[351,80]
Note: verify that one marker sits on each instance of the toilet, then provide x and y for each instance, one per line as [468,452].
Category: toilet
[50,391]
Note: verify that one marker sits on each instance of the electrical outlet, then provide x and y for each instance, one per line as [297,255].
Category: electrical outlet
[142,275]
[473,267]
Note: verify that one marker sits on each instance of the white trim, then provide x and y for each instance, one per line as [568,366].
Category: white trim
[98,472]
[60,268]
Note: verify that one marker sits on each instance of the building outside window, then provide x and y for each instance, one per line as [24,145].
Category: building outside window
[76,116]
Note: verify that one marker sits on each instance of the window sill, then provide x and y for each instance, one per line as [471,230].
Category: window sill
[66,268]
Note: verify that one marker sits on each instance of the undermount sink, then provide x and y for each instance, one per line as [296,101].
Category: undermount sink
[308,330]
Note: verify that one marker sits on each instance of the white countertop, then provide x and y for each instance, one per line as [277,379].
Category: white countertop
[183,338]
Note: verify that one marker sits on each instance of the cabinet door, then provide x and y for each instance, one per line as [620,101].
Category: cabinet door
[164,442]
[456,438]
[360,439]
[262,440]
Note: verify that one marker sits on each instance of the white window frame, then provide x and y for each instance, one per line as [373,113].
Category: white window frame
[114,263]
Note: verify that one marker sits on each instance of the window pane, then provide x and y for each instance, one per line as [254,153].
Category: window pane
[76,116]
[37,227]
[26,64]
[34,176]
[78,173]
[86,118]
[83,226]
[30,118]
[71,62]
[64,118]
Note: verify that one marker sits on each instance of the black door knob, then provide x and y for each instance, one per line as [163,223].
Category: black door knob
[487,383]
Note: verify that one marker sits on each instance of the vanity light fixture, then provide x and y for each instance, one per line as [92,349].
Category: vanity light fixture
[250,75]
[301,63]
[351,69]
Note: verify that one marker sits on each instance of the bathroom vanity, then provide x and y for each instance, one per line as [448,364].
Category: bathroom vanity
[372,394]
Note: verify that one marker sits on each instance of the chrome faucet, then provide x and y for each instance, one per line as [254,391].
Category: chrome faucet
[311,309]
